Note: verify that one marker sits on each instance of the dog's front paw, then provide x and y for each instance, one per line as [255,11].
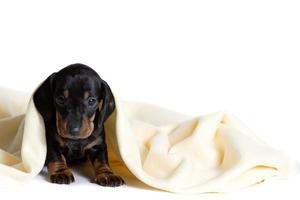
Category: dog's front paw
[109,179]
[62,178]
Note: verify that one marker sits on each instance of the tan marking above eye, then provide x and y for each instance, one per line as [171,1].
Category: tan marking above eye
[66,93]
[86,94]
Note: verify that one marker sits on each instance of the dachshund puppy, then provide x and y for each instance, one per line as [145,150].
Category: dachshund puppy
[74,103]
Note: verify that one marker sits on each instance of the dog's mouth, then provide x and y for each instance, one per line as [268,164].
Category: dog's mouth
[86,129]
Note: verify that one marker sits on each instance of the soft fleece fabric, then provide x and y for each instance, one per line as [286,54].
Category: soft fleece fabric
[163,149]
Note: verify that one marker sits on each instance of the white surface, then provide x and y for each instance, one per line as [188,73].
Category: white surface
[247,52]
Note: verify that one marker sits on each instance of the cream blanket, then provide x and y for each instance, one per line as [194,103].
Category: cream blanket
[163,149]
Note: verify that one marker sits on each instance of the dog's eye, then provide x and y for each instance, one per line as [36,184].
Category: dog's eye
[92,101]
[60,100]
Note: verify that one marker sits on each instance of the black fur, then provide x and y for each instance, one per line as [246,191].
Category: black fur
[49,99]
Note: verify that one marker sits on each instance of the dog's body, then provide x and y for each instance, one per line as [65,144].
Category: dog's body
[75,102]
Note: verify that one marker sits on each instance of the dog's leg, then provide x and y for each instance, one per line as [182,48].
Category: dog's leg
[57,168]
[103,174]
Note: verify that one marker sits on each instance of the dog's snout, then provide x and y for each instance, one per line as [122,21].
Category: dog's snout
[74,130]
[74,122]
[74,127]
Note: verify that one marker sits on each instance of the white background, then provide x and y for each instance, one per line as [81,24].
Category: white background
[195,57]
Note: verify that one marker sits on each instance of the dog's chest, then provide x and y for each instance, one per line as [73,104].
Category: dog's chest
[76,149]
[73,151]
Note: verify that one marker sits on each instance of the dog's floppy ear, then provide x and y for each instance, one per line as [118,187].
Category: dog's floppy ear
[108,103]
[43,98]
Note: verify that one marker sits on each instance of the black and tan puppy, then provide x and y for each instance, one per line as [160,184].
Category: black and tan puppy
[75,102]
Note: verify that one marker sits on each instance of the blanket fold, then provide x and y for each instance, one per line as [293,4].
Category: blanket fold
[161,148]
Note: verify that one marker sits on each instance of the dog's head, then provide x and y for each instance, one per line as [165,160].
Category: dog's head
[76,100]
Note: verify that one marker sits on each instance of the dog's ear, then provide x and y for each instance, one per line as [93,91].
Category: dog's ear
[108,103]
[43,98]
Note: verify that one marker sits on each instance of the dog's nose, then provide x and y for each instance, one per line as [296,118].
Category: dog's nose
[74,130]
